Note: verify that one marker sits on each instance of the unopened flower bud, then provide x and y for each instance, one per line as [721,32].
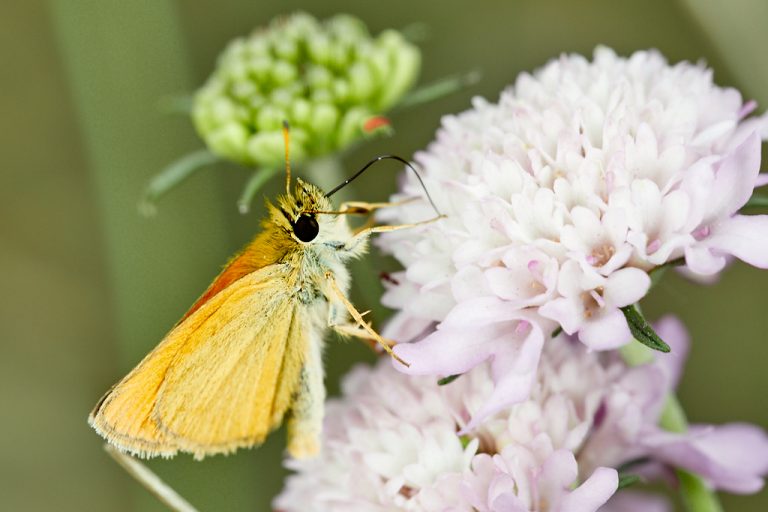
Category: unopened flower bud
[325,78]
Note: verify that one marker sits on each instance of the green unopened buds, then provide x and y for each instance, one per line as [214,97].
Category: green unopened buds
[332,81]
[328,79]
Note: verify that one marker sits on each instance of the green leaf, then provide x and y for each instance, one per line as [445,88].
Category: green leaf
[641,330]
[438,89]
[632,463]
[257,180]
[627,480]
[448,379]
[697,495]
[557,332]
[756,201]
[172,176]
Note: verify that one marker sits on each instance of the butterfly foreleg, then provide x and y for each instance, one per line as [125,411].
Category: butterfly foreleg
[363,234]
[338,296]
[364,208]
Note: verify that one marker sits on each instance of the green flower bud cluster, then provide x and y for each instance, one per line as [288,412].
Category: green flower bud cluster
[326,78]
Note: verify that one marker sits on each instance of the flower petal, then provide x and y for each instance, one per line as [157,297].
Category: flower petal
[732,457]
[700,260]
[673,332]
[735,176]
[625,287]
[450,350]
[514,371]
[744,236]
[481,311]
[593,493]
[607,331]
[568,312]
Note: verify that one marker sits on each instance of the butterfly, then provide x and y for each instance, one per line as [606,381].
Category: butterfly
[248,353]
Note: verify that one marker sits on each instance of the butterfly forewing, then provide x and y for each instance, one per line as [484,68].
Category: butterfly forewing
[221,379]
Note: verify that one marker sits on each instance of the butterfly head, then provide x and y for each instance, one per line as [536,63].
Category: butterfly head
[299,215]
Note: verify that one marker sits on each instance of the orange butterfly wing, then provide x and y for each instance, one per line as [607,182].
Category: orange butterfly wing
[221,379]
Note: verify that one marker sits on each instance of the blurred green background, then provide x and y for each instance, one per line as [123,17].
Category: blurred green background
[89,286]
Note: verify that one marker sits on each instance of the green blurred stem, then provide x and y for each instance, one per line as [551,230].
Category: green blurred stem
[327,173]
[255,182]
[172,176]
[696,495]
[438,89]
[150,481]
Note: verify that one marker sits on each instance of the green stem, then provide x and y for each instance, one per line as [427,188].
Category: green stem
[170,177]
[437,89]
[255,182]
[696,495]
[326,173]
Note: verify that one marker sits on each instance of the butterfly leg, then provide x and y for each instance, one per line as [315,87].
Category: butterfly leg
[306,421]
[356,331]
[361,235]
[363,208]
[358,317]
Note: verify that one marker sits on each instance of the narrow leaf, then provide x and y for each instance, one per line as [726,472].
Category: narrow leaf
[448,379]
[438,89]
[633,463]
[557,332]
[257,180]
[756,201]
[627,480]
[172,176]
[642,331]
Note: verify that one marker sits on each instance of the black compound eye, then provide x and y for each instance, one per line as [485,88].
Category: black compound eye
[306,228]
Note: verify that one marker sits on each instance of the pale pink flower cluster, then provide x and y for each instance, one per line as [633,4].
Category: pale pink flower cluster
[560,199]
[393,442]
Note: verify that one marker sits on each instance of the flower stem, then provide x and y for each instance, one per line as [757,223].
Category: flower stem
[255,182]
[150,481]
[697,496]
[172,176]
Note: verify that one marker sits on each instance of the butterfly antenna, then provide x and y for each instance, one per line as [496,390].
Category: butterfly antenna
[287,139]
[378,159]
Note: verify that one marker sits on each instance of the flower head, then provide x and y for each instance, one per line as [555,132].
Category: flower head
[328,79]
[397,442]
[564,195]
[394,442]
